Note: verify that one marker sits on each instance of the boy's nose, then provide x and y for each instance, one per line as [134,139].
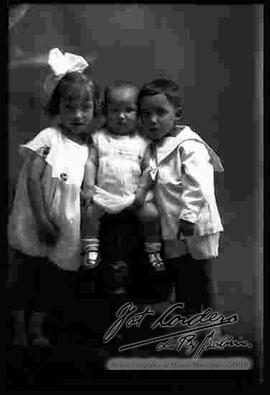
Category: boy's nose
[153,120]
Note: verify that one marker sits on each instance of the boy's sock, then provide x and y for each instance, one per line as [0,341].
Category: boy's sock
[153,251]
[91,252]
[36,329]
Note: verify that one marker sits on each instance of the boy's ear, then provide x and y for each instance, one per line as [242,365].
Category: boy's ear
[179,113]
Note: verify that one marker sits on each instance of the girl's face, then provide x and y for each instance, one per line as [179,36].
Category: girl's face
[158,116]
[122,110]
[76,115]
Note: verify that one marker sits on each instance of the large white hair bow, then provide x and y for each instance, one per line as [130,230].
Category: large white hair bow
[62,64]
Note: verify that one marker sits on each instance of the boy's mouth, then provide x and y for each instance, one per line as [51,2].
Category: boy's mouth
[77,124]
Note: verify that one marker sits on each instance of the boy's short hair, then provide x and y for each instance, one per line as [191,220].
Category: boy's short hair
[166,86]
[110,88]
[72,86]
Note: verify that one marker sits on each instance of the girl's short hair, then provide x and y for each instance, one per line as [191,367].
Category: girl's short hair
[73,86]
[166,86]
[111,88]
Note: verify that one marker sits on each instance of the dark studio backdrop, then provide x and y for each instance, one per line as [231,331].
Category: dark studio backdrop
[212,51]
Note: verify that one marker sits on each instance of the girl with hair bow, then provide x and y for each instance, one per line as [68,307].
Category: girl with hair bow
[44,225]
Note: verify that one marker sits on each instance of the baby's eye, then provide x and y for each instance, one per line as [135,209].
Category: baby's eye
[87,107]
[130,109]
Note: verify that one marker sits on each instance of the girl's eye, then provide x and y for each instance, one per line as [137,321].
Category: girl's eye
[112,109]
[161,113]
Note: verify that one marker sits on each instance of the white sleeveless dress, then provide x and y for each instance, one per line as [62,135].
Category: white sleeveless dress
[61,184]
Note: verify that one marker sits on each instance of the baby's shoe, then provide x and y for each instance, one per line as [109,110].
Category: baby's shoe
[156,261]
[91,259]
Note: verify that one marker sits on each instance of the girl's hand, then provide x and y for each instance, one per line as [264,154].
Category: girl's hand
[48,233]
[185,228]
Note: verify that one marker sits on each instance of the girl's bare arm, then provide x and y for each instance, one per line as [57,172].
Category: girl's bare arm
[36,196]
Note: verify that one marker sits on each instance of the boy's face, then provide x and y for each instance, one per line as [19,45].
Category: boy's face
[158,116]
[76,115]
[122,110]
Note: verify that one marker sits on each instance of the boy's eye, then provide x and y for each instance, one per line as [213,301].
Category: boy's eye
[161,112]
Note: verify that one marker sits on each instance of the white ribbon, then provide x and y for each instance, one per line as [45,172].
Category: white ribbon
[65,63]
[62,64]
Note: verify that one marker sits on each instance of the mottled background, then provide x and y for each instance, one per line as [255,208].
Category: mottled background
[212,51]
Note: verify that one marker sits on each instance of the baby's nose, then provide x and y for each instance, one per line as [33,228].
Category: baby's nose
[122,115]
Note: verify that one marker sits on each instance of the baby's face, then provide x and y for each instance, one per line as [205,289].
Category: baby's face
[122,110]
[158,116]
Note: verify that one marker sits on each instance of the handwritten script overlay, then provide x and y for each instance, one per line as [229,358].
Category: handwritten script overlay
[128,316]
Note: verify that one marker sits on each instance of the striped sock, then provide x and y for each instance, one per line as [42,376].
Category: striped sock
[152,247]
[90,244]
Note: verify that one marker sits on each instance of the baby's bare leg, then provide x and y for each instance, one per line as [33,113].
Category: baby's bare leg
[91,217]
[148,216]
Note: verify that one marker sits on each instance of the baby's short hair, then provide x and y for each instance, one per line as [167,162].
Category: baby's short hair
[110,88]
[166,86]
[72,86]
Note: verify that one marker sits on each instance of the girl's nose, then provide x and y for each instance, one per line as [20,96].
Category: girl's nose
[78,114]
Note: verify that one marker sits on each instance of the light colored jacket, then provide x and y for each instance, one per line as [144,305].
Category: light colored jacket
[183,169]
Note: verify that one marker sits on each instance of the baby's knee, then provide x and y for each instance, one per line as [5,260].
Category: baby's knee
[92,212]
[148,213]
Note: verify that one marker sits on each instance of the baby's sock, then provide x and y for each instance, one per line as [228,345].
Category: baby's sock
[91,252]
[153,251]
